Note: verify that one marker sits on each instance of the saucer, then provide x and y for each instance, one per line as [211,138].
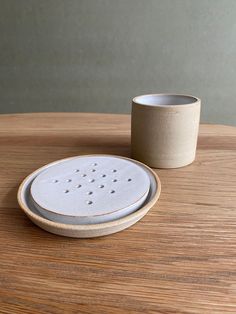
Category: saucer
[87,230]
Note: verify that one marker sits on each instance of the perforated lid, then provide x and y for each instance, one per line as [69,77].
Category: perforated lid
[90,186]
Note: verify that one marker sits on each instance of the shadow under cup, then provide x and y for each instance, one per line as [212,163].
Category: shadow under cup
[164,129]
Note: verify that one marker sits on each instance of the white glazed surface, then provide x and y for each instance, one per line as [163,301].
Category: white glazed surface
[165,100]
[91,189]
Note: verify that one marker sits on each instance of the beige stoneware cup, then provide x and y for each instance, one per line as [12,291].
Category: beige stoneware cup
[164,129]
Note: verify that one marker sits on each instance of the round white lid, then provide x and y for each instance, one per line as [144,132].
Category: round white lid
[90,186]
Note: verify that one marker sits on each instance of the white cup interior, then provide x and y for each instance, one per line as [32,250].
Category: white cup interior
[164,100]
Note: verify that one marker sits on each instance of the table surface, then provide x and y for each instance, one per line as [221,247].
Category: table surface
[180,258]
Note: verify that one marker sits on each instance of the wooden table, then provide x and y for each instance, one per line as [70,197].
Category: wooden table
[181,258]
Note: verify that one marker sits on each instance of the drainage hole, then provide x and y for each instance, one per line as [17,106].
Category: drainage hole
[114,180]
[66,191]
[78,186]
[93,170]
[112,191]
[84,175]
[94,164]
[55,181]
[90,193]
[77,170]
[114,170]
[89,202]
[129,180]
[68,180]
[103,175]
[91,180]
[101,186]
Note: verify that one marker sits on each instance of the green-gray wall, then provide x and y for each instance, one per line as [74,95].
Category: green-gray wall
[96,55]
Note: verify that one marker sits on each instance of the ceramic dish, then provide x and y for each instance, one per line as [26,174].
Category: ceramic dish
[87,230]
[89,189]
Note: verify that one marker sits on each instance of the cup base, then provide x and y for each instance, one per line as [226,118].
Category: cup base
[164,163]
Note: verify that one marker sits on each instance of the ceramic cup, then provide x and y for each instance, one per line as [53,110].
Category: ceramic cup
[164,129]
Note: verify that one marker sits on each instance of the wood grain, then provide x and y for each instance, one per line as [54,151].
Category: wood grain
[180,258]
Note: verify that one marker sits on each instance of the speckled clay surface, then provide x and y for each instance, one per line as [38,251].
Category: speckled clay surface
[164,129]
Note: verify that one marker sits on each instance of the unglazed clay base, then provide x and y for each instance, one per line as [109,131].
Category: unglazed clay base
[90,189]
[87,230]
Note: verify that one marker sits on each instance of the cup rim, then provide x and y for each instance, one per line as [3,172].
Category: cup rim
[195,100]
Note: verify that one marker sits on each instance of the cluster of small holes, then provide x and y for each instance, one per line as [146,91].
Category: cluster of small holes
[101,186]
